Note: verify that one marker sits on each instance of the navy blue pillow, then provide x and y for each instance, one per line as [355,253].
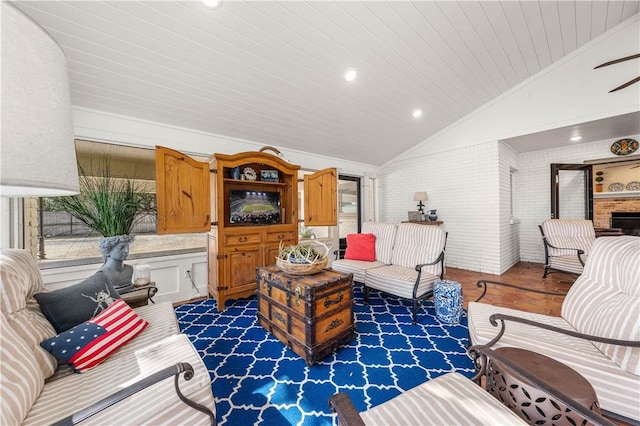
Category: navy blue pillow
[70,306]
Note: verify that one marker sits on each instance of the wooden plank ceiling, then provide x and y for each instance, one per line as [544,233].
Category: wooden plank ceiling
[271,72]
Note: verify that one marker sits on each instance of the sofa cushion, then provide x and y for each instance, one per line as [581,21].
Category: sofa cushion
[21,378]
[70,306]
[605,300]
[385,238]
[361,247]
[452,399]
[20,279]
[157,404]
[399,280]
[417,244]
[355,267]
[88,344]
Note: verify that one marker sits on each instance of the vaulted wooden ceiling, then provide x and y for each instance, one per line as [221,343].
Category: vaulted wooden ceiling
[272,72]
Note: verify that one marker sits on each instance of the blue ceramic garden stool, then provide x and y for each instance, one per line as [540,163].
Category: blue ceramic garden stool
[447,298]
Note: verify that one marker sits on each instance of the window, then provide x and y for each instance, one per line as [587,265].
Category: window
[62,237]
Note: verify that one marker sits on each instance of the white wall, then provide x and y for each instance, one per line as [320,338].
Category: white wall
[112,128]
[168,272]
[462,187]
[465,168]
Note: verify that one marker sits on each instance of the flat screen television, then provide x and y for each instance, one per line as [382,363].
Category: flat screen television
[256,207]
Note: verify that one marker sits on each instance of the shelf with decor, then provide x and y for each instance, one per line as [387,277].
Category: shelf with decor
[616,194]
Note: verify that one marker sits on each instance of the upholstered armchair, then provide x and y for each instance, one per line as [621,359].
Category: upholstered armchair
[567,243]
[598,332]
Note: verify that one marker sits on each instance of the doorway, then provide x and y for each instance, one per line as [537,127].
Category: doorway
[349,208]
[571,191]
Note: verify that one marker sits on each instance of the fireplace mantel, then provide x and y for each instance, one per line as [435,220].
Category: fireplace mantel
[619,194]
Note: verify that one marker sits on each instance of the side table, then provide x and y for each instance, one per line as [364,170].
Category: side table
[531,403]
[140,296]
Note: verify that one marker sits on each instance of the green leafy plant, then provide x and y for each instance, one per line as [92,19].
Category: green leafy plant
[306,232]
[107,204]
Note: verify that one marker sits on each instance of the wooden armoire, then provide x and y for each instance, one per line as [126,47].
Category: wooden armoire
[248,204]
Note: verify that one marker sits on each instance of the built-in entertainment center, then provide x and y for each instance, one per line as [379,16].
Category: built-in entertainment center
[248,205]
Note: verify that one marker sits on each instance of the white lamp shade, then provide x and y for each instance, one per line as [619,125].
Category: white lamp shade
[420,196]
[37,149]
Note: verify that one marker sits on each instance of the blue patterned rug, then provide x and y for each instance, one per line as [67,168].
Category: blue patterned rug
[258,380]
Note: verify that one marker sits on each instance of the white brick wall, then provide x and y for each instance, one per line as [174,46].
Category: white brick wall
[470,188]
[462,186]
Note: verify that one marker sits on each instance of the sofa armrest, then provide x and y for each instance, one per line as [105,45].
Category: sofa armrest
[503,318]
[342,405]
[440,259]
[483,285]
[122,394]
[336,253]
[579,252]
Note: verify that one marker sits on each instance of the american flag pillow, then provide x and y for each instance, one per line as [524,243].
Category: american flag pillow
[88,344]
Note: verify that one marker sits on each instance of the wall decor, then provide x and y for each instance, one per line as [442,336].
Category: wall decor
[624,146]
[249,173]
[269,175]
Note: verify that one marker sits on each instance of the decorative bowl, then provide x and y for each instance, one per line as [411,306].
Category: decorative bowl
[301,268]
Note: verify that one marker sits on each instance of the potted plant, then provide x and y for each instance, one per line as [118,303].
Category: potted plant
[110,206]
[599,180]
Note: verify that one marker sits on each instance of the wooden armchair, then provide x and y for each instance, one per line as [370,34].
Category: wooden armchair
[567,243]
[598,333]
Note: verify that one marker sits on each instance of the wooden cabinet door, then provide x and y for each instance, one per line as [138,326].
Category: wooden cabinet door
[182,193]
[240,265]
[321,198]
[271,251]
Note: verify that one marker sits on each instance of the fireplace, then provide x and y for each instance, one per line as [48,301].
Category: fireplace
[628,221]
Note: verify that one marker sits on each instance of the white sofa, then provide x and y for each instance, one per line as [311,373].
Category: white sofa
[35,390]
[409,260]
[604,302]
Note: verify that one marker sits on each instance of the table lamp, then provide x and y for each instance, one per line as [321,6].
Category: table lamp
[420,197]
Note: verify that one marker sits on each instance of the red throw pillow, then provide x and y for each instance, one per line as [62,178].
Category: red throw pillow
[361,247]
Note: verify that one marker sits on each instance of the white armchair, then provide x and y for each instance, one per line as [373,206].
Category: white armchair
[567,244]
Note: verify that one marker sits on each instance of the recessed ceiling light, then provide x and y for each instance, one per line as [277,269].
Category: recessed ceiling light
[575,138]
[213,4]
[417,113]
[350,74]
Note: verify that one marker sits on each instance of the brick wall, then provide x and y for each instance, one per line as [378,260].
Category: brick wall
[602,208]
[464,186]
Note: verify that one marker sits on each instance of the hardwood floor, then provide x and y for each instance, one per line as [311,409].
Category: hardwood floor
[523,273]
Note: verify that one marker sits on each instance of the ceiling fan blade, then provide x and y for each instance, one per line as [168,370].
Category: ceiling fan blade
[617,61]
[627,84]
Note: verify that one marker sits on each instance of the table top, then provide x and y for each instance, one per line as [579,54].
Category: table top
[562,377]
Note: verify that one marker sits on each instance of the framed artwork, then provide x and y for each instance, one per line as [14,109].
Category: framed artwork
[414,216]
[269,176]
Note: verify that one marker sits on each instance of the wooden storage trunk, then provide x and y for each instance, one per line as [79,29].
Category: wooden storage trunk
[311,314]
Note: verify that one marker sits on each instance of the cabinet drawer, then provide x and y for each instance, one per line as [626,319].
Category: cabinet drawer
[281,235]
[245,238]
